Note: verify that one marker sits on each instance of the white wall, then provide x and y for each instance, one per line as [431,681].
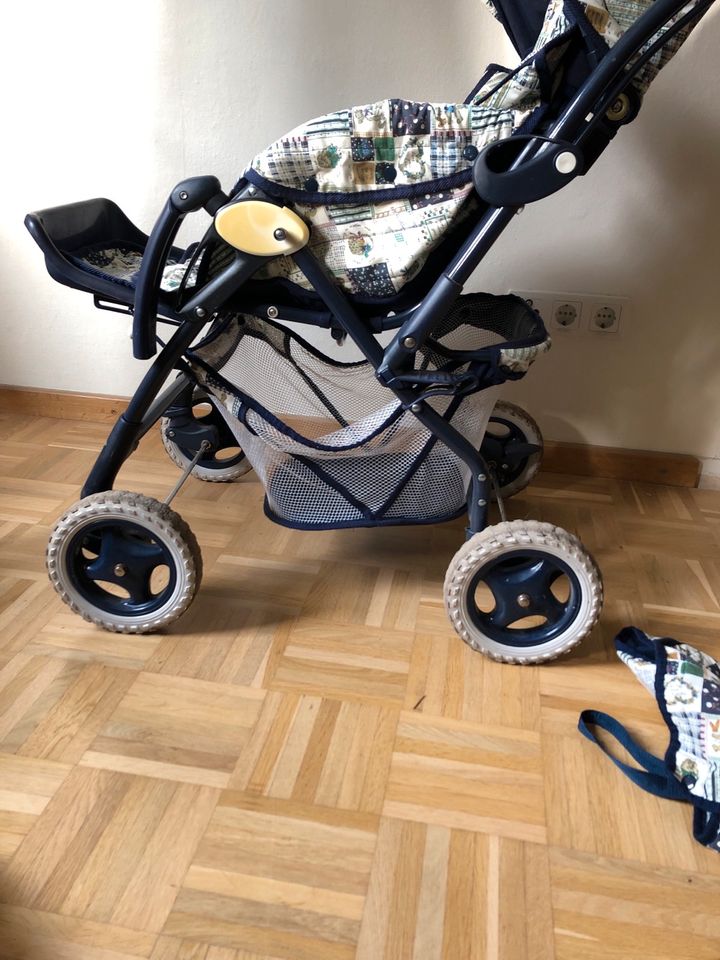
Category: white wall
[124,102]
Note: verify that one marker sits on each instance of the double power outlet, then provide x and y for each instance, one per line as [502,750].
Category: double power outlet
[575,312]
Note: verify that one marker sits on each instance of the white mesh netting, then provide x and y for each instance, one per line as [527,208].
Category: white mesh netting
[330,444]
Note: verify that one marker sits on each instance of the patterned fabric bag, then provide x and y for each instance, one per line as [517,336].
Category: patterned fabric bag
[686,684]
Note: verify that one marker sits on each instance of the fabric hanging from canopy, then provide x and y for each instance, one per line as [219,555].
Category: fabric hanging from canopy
[522,20]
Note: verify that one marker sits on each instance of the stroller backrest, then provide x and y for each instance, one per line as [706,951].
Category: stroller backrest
[537,28]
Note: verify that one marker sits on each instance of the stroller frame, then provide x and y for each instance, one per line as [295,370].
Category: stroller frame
[507,175]
[533,175]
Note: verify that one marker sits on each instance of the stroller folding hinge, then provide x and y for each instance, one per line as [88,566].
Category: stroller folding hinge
[261,228]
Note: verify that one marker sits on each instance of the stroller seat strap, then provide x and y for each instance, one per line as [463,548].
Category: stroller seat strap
[655,778]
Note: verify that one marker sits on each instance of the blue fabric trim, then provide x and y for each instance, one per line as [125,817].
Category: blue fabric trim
[658,777]
[330,481]
[355,524]
[317,198]
[490,71]
[594,43]
[282,427]
[635,643]
[654,778]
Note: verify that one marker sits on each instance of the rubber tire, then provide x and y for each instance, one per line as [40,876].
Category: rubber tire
[162,521]
[533,434]
[207,474]
[502,538]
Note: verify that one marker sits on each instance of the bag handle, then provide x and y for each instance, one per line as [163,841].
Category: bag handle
[655,778]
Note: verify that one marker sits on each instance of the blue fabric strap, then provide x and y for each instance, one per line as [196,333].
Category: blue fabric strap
[655,778]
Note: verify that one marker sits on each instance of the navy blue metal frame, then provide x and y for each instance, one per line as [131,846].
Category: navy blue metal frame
[576,126]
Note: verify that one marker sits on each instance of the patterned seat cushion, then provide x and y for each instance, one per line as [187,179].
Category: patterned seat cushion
[382,184]
[121,263]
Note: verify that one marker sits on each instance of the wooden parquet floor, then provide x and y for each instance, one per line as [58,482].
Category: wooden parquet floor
[312,766]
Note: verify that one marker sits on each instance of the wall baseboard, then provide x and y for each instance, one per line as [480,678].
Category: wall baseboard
[617,463]
[585,460]
[60,404]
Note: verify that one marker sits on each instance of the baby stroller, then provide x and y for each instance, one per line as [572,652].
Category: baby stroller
[367,220]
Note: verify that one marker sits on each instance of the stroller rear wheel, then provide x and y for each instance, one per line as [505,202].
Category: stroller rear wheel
[223,465]
[125,562]
[523,592]
[512,447]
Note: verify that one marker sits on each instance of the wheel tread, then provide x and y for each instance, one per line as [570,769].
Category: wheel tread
[511,533]
[134,505]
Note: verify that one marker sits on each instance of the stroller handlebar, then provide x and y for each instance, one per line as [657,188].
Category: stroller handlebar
[188,196]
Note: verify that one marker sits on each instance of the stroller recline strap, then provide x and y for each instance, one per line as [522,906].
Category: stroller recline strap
[655,778]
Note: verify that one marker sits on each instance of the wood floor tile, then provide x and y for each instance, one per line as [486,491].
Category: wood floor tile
[37,935]
[314,750]
[592,807]
[617,908]
[279,879]
[448,679]
[439,894]
[107,849]
[26,786]
[66,636]
[355,663]
[457,774]
[178,728]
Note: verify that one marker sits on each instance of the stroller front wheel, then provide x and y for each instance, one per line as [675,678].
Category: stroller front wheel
[124,561]
[523,592]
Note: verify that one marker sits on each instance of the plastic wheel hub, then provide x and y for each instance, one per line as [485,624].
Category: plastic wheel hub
[521,586]
[213,461]
[121,553]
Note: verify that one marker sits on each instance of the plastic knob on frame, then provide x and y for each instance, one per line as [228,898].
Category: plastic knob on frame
[261,229]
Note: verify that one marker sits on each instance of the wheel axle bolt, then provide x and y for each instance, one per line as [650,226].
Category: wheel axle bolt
[119,570]
[280,235]
[523,601]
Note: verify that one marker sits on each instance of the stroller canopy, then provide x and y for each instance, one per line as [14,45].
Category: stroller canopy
[522,20]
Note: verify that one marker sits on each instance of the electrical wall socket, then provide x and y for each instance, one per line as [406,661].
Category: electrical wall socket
[567,313]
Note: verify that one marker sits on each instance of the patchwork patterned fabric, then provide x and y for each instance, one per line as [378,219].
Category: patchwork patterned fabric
[382,146]
[611,18]
[686,683]
[122,264]
[691,691]
[374,249]
[383,183]
[410,166]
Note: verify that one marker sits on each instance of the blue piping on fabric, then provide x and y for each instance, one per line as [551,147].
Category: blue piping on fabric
[635,643]
[318,198]
[353,524]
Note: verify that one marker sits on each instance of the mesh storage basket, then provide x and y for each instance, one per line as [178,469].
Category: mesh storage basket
[331,445]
